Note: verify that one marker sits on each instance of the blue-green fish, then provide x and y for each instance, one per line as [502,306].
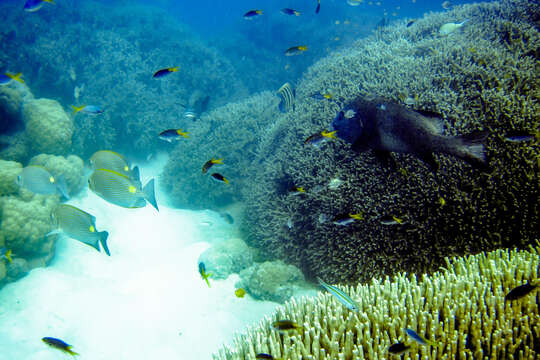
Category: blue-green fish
[7,78]
[39,180]
[340,295]
[252,13]
[59,344]
[79,225]
[35,5]
[419,339]
[164,72]
[120,190]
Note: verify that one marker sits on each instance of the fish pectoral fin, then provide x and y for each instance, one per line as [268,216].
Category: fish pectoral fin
[429,160]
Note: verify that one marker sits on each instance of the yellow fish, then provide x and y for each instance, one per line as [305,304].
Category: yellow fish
[240,292]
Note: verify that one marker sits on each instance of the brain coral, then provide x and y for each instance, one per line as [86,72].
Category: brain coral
[230,132]
[48,127]
[71,168]
[484,76]
[462,308]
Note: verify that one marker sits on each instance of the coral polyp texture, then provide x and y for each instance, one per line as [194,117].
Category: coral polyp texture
[461,308]
[484,76]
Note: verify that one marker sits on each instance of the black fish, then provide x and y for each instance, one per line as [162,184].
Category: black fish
[398,348]
[318,7]
[264,356]
[220,178]
[519,292]
[385,126]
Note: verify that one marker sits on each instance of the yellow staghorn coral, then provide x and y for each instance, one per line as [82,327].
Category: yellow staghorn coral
[461,308]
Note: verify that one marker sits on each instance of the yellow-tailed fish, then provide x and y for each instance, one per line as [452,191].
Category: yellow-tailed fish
[392,220]
[340,295]
[220,178]
[7,78]
[205,275]
[164,72]
[286,325]
[59,344]
[297,190]
[319,138]
[288,11]
[240,292]
[347,219]
[6,254]
[39,180]
[295,50]
[35,5]
[88,109]
[252,14]
[173,134]
[120,190]
[79,225]
[207,165]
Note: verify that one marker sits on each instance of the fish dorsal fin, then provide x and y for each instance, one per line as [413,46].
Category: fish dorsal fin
[114,172]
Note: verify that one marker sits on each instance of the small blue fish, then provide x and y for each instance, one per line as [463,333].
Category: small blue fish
[7,78]
[35,5]
[88,109]
[6,254]
[288,11]
[519,136]
[321,96]
[419,339]
[59,344]
[204,274]
[165,72]
[252,13]
[340,295]
[318,8]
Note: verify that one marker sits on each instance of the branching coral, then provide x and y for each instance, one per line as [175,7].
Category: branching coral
[461,308]
[483,76]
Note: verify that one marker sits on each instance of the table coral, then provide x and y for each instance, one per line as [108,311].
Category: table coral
[461,308]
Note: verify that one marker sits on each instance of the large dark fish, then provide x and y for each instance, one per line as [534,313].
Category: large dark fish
[386,126]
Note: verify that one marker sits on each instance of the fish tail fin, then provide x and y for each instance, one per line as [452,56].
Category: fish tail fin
[16,77]
[71,352]
[8,256]
[77,109]
[135,174]
[206,279]
[217,161]
[103,235]
[472,148]
[149,194]
[62,186]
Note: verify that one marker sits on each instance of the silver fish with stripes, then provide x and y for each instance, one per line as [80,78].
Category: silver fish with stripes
[340,295]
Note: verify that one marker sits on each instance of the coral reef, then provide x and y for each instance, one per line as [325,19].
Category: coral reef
[439,307]
[70,167]
[48,128]
[483,76]
[228,257]
[115,67]
[271,280]
[230,132]
[25,222]
[9,170]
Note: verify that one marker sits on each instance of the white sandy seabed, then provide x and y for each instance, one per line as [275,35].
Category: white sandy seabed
[146,301]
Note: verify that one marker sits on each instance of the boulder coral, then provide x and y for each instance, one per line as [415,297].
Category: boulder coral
[230,132]
[228,257]
[9,170]
[271,280]
[482,77]
[461,307]
[70,167]
[48,128]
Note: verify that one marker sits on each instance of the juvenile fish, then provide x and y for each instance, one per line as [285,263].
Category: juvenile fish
[35,5]
[295,50]
[340,295]
[164,72]
[419,339]
[173,134]
[520,291]
[6,78]
[59,344]
[87,109]
[207,165]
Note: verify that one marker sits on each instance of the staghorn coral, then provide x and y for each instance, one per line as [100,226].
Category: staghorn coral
[48,128]
[484,76]
[440,307]
[230,132]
